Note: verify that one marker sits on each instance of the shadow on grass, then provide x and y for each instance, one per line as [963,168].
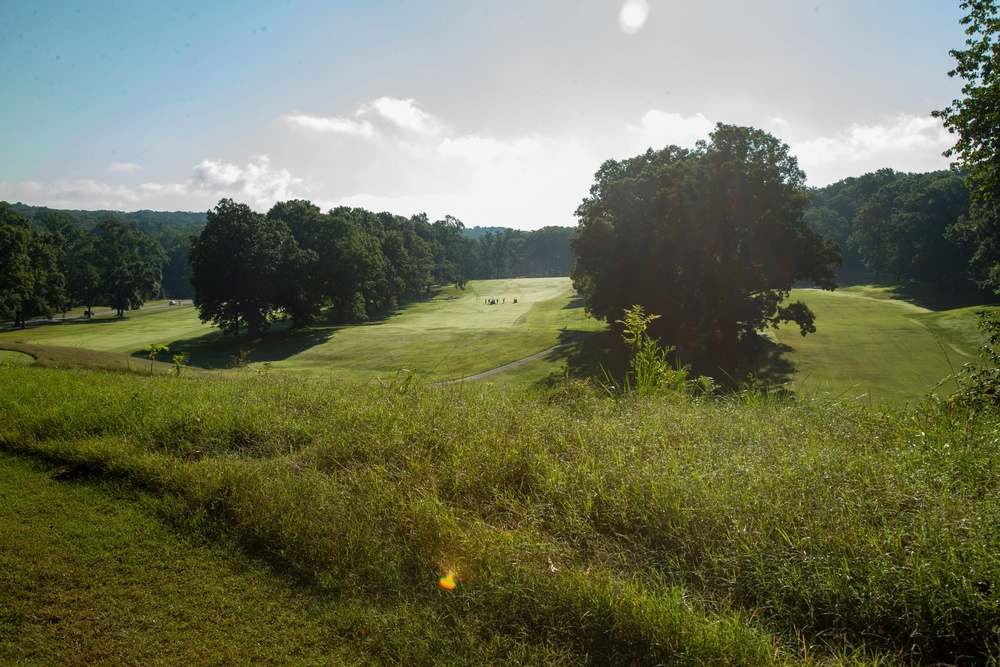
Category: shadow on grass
[771,365]
[215,350]
[593,358]
[602,357]
[936,298]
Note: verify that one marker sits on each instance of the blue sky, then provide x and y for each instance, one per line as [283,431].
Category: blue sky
[496,113]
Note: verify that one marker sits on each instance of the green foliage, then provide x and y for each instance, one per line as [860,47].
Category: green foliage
[129,265]
[651,371]
[713,236]
[972,117]
[16,278]
[154,349]
[899,225]
[30,281]
[977,149]
[180,363]
[238,268]
[240,360]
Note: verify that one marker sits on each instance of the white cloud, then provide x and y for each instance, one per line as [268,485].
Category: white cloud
[905,142]
[123,168]
[400,114]
[336,125]
[409,162]
[404,113]
[482,149]
[257,184]
[658,129]
[524,182]
[74,194]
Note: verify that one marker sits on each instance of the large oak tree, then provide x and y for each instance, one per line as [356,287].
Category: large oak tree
[240,266]
[711,239]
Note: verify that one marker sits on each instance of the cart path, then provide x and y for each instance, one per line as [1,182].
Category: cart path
[518,362]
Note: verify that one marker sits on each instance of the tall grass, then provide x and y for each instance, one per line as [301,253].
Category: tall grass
[671,529]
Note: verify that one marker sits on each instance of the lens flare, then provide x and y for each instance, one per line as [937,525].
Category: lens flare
[448,582]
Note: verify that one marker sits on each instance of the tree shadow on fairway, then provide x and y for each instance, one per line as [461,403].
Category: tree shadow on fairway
[770,364]
[936,298]
[595,357]
[215,350]
[85,322]
[574,303]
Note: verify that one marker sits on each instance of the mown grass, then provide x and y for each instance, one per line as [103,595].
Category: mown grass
[581,530]
[452,335]
[873,344]
[872,347]
[89,574]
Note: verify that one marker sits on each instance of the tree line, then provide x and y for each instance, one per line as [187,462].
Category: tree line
[897,227]
[172,230]
[295,262]
[50,268]
[53,260]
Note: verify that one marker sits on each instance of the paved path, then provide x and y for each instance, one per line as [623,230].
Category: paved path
[536,355]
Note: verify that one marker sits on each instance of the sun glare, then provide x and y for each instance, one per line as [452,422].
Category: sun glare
[633,16]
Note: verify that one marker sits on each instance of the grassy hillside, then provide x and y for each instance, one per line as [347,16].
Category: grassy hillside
[580,530]
[91,573]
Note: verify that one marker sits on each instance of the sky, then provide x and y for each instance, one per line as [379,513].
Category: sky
[497,113]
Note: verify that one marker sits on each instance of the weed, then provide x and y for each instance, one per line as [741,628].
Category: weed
[240,360]
[650,369]
[402,383]
[658,529]
[154,349]
[180,363]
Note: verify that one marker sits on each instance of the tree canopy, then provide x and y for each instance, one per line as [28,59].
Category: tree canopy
[712,239]
[129,264]
[239,268]
[30,280]
[974,117]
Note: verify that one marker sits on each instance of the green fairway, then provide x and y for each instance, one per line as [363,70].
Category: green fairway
[107,333]
[870,346]
[454,334]
[878,344]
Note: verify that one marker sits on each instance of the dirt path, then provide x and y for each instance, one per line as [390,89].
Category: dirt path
[518,362]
